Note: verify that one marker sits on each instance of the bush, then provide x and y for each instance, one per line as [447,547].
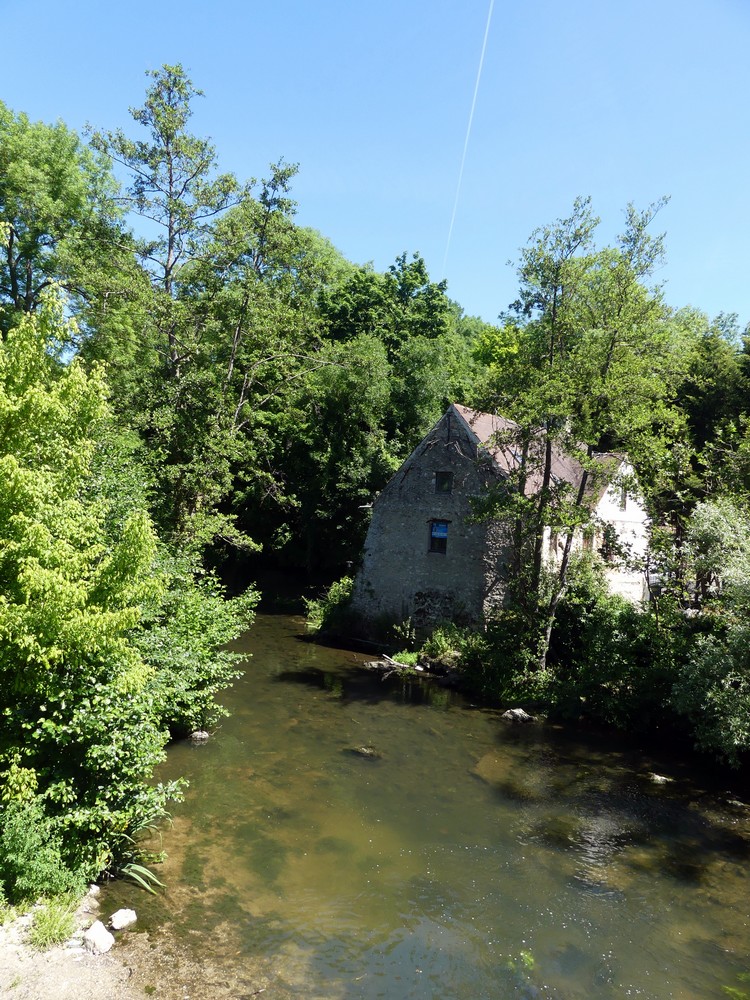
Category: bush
[612,676]
[106,641]
[609,660]
[31,856]
[328,613]
[446,642]
[404,633]
[713,691]
[408,657]
[502,664]
[182,640]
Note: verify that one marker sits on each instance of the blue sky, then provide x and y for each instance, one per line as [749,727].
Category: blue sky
[623,101]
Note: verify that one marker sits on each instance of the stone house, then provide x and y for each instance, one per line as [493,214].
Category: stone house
[423,559]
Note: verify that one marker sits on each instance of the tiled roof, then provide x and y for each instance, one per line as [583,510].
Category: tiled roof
[498,436]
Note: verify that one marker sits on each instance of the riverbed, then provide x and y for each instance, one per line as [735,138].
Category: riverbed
[345,836]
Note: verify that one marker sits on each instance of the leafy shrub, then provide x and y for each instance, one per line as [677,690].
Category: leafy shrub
[31,855]
[407,656]
[328,613]
[405,632]
[446,642]
[609,660]
[713,691]
[501,664]
[106,640]
[182,639]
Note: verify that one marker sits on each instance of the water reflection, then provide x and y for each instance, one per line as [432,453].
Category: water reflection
[461,858]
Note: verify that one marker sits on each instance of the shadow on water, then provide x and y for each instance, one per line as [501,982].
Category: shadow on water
[359,685]
[349,837]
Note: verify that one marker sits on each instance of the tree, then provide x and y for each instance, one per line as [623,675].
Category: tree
[79,734]
[108,642]
[712,688]
[427,348]
[395,306]
[589,361]
[58,218]
[224,327]
[174,187]
[338,455]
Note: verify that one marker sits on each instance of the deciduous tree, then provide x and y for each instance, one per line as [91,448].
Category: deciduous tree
[58,218]
[588,364]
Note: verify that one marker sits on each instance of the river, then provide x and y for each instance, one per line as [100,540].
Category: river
[463,858]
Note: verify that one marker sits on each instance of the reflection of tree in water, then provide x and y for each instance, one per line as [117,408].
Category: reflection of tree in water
[360,685]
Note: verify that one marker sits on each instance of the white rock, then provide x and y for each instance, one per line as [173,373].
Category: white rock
[200,736]
[94,889]
[97,938]
[122,919]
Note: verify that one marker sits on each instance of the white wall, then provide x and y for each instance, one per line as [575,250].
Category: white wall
[631,526]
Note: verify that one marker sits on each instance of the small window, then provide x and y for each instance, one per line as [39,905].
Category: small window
[439,536]
[443,482]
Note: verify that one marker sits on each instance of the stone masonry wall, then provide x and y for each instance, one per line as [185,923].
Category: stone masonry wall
[400,576]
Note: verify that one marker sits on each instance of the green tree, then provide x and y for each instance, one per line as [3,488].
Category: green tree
[107,641]
[222,328]
[174,183]
[712,688]
[79,733]
[588,363]
[395,306]
[338,453]
[58,218]
[428,349]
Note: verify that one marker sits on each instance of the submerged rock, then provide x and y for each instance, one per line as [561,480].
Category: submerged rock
[493,768]
[200,736]
[365,751]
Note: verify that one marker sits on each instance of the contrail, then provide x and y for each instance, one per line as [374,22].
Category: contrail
[468,134]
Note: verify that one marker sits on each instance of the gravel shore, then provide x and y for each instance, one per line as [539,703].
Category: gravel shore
[137,967]
[65,972]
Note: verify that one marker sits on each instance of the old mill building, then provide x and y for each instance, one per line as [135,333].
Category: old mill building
[425,559]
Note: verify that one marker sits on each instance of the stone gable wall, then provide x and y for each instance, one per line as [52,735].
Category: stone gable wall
[400,577]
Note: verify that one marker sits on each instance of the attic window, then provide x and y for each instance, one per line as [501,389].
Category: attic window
[443,482]
[439,536]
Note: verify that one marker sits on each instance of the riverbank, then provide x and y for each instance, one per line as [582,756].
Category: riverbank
[137,967]
[64,972]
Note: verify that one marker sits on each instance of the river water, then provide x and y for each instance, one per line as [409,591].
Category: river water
[460,858]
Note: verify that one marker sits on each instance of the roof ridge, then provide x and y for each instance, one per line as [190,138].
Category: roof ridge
[487,427]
